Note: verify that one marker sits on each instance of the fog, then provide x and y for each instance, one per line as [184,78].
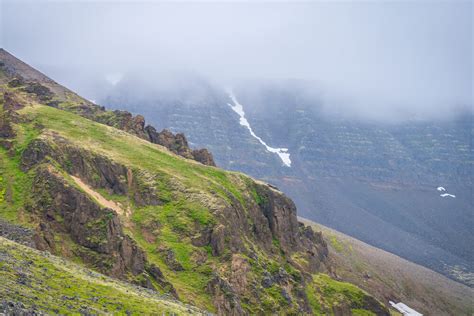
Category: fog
[402,58]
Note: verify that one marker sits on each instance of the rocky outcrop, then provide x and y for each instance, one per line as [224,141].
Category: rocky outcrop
[16,233]
[176,143]
[64,209]
[239,279]
[247,237]
[18,308]
[43,89]
[42,92]
[6,115]
[314,245]
[225,299]
[280,212]
[6,129]
[273,226]
[123,120]
[203,156]
[170,259]
[11,103]
[98,171]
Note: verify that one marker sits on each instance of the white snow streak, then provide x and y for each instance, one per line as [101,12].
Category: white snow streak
[239,109]
[404,309]
[447,194]
[442,189]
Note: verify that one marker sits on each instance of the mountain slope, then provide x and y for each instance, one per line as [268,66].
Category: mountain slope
[52,94]
[374,181]
[37,282]
[108,196]
[390,277]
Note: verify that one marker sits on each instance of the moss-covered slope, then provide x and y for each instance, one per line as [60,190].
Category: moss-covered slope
[37,281]
[127,207]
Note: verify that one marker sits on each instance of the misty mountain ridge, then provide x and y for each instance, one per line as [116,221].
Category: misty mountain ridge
[368,172]
[104,189]
[328,100]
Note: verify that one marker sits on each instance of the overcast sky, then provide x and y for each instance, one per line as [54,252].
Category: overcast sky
[401,54]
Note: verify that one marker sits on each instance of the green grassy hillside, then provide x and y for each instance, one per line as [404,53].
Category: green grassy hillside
[388,276]
[116,203]
[53,285]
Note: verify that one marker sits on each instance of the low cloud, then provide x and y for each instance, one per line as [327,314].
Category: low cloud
[375,58]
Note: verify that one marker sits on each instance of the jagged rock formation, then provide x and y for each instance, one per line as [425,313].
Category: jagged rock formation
[97,189]
[7,117]
[49,92]
[65,209]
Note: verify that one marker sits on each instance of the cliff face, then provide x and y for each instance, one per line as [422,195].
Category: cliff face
[260,231]
[62,209]
[97,189]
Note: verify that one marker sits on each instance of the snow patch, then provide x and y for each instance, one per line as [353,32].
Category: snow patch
[239,109]
[442,189]
[447,195]
[404,309]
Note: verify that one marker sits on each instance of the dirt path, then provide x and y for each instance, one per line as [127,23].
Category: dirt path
[99,198]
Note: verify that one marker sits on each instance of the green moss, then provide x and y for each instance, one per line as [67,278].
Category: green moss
[333,289]
[14,187]
[277,299]
[259,199]
[168,223]
[14,183]
[25,133]
[324,293]
[3,189]
[336,244]
[276,242]
[135,152]
[313,299]
[56,286]
[201,215]
[186,193]
[295,274]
